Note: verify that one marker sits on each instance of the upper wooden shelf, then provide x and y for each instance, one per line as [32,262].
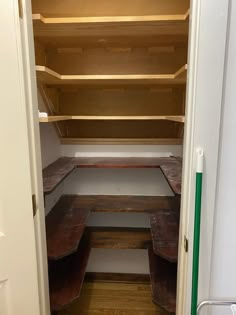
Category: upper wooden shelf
[179,118]
[50,77]
[54,118]
[57,171]
[174,24]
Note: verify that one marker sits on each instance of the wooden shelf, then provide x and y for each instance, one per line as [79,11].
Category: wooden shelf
[178,118]
[118,237]
[164,24]
[173,174]
[55,173]
[124,141]
[50,77]
[66,277]
[65,225]
[163,275]
[54,118]
[165,234]
[119,203]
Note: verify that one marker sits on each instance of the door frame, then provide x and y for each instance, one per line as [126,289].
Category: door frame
[208,23]
[28,59]
[206,60]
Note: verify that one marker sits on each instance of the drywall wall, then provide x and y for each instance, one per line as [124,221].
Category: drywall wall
[121,150]
[119,261]
[223,276]
[50,144]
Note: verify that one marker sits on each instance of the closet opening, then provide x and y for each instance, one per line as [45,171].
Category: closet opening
[111,81]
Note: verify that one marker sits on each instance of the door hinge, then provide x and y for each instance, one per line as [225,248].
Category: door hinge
[185,244]
[20,8]
[34,205]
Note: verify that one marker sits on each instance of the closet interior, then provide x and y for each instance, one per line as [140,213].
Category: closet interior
[111,74]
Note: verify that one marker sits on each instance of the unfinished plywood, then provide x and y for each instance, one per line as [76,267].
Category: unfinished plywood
[118,129]
[87,8]
[54,118]
[62,118]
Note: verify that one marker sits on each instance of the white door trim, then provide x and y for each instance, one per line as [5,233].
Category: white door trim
[208,32]
[28,58]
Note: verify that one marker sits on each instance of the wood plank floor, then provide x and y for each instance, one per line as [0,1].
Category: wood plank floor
[109,298]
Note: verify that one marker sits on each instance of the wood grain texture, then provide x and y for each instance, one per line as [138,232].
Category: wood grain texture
[126,203]
[163,275]
[165,233]
[65,225]
[72,8]
[66,277]
[173,174]
[124,141]
[57,171]
[54,118]
[89,117]
[119,238]
[117,277]
[108,298]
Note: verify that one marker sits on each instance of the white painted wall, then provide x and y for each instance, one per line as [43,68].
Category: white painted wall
[223,274]
[119,261]
[121,150]
[50,144]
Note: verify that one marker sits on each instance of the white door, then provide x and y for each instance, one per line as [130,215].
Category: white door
[19,287]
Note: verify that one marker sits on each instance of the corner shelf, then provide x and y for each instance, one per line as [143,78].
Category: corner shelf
[55,173]
[65,226]
[163,276]
[178,118]
[165,234]
[66,277]
[50,77]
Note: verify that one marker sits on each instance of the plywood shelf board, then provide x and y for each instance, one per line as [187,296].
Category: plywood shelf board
[65,226]
[165,233]
[50,77]
[178,118]
[66,277]
[57,171]
[163,275]
[173,174]
[118,237]
[54,118]
[164,24]
[110,19]
[123,141]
